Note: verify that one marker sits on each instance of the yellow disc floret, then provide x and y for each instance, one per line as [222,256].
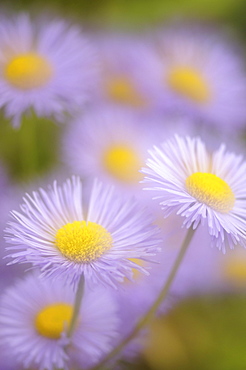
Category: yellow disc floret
[52,320]
[212,190]
[122,90]
[189,83]
[82,241]
[28,71]
[123,163]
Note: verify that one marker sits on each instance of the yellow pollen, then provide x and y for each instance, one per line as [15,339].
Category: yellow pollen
[122,90]
[52,320]
[28,71]
[83,242]
[190,83]
[123,163]
[212,190]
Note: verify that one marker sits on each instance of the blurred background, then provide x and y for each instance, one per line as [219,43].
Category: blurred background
[205,331]
[119,13]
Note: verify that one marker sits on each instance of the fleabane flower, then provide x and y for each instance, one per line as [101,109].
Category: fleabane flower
[202,187]
[46,65]
[124,62]
[200,75]
[111,144]
[34,319]
[56,232]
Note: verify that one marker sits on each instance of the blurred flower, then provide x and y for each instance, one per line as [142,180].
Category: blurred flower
[56,232]
[204,188]
[111,144]
[34,318]
[124,62]
[46,65]
[199,74]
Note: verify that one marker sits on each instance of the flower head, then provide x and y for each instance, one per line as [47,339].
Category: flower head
[111,144]
[124,60]
[204,188]
[34,318]
[56,232]
[48,66]
[199,74]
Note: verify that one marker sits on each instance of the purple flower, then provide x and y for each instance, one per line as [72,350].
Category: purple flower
[34,318]
[199,74]
[56,232]
[201,187]
[110,144]
[47,66]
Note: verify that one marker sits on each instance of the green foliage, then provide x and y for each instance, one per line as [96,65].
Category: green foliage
[206,333]
[132,13]
[30,150]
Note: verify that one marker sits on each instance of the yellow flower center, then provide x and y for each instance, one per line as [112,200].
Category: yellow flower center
[190,83]
[123,163]
[83,242]
[122,90]
[212,190]
[51,321]
[28,71]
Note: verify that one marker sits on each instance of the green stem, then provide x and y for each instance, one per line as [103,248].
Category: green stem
[151,312]
[77,305]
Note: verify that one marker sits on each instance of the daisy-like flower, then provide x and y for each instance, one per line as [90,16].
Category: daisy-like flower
[198,73]
[202,187]
[111,144]
[56,232]
[124,62]
[45,65]
[35,316]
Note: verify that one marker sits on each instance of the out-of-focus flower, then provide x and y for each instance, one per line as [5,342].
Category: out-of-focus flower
[199,74]
[56,232]
[204,188]
[110,144]
[125,61]
[35,316]
[45,65]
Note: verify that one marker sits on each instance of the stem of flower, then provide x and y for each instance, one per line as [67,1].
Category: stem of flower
[77,305]
[151,312]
